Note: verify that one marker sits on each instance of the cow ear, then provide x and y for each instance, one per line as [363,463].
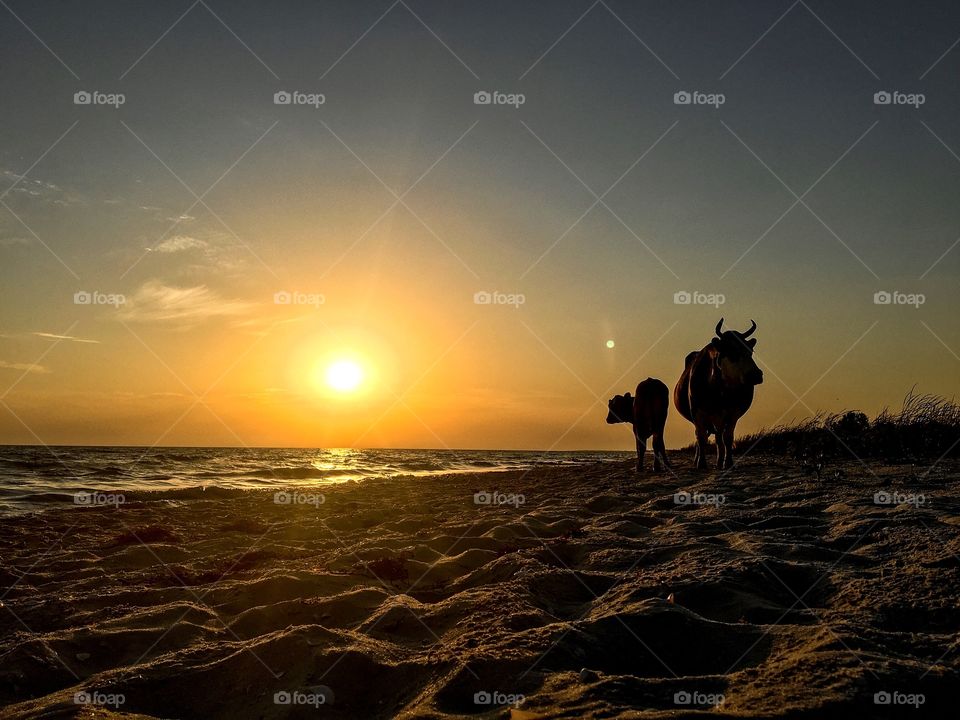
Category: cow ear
[716,343]
[627,395]
[752,342]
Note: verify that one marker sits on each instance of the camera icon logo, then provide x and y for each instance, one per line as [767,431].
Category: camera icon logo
[282,698]
[482,297]
[682,698]
[482,97]
[482,498]
[82,97]
[282,297]
[881,698]
[882,98]
[682,498]
[882,498]
[282,97]
[682,98]
[282,498]
[82,297]
[682,297]
[482,698]
[882,297]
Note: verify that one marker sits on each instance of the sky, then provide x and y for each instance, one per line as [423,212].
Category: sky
[184,257]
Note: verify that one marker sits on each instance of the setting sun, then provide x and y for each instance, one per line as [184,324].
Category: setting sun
[344,376]
[629,326]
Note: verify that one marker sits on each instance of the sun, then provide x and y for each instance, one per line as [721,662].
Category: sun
[344,376]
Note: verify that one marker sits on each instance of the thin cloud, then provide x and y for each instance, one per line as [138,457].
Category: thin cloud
[155,302]
[39,190]
[179,243]
[71,338]
[25,367]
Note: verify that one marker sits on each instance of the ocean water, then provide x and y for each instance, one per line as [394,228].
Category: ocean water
[36,477]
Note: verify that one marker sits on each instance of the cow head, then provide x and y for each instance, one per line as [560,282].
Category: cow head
[620,409]
[733,356]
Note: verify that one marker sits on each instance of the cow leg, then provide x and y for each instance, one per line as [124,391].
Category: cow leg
[641,450]
[721,447]
[728,444]
[703,437]
[659,452]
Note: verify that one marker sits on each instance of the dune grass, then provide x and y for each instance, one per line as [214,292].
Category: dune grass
[926,426]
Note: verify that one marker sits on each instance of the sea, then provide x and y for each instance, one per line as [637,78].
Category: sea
[35,477]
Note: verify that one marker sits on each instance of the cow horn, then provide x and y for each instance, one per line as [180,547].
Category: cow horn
[748,333]
[719,325]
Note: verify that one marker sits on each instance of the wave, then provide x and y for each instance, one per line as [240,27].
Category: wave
[33,478]
[41,497]
[281,473]
[198,492]
[107,472]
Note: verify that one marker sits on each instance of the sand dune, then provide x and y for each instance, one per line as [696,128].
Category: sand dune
[590,593]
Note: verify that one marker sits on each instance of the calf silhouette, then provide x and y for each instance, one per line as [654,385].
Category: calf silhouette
[647,412]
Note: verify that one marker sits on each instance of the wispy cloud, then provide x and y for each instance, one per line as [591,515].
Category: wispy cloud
[179,243]
[36,189]
[186,306]
[55,336]
[197,254]
[24,367]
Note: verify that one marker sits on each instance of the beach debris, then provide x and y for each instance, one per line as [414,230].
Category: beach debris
[587,675]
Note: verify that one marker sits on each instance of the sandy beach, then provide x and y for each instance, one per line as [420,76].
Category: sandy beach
[562,592]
